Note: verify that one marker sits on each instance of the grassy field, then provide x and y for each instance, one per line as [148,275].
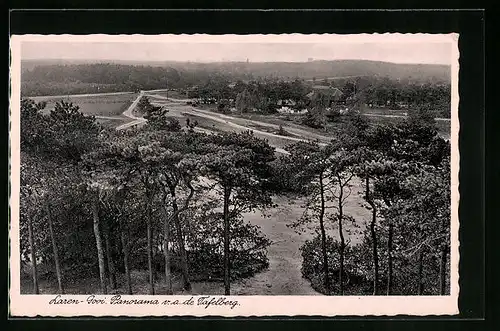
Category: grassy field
[212,125]
[291,120]
[171,94]
[182,111]
[105,105]
[113,123]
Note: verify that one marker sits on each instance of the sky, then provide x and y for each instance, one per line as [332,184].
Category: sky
[215,49]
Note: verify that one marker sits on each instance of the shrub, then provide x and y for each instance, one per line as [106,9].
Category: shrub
[282,131]
[358,267]
[355,280]
[313,121]
[333,114]
[284,177]
[223,106]
[205,249]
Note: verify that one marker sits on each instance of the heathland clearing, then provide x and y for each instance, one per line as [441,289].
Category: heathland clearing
[97,105]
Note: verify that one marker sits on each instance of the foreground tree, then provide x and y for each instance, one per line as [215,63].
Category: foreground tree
[239,165]
[313,161]
[32,142]
[341,173]
[57,141]
[422,215]
[107,170]
[175,169]
[95,192]
[176,177]
[29,199]
[327,172]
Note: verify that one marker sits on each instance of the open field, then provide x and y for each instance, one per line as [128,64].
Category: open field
[112,123]
[219,122]
[98,105]
[291,124]
[170,94]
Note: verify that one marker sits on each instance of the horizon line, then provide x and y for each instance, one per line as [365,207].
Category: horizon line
[229,61]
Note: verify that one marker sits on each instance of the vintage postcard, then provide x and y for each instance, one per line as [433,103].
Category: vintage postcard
[234,175]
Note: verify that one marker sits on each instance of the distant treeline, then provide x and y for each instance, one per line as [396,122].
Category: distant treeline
[94,78]
[400,94]
[48,77]
[217,83]
[290,70]
[264,95]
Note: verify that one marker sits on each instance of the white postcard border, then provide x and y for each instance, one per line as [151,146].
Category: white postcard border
[38,305]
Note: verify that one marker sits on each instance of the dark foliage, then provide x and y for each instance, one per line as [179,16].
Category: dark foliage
[355,280]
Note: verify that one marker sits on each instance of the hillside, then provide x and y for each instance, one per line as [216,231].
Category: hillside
[307,70]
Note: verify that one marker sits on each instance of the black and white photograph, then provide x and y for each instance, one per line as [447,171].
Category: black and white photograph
[153,171]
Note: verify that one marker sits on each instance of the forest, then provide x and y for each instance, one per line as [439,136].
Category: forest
[264,95]
[420,73]
[232,89]
[168,202]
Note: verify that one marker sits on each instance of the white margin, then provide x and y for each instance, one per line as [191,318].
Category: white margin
[38,305]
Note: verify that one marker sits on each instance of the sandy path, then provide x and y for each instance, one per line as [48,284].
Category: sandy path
[231,123]
[109,117]
[283,277]
[245,123]
[129,113]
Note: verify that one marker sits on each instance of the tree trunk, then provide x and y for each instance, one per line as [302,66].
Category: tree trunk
[180,241]
[125,258]
[100,250]
[421,272]
[323,237]
[166,252]
[342,239]
[36,289]
[54,250]
[442,271]
[389,260]
[109,258]
[374,238]
[149,239]
[443,262]
[227,262]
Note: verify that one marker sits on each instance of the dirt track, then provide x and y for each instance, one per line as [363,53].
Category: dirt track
[283,277]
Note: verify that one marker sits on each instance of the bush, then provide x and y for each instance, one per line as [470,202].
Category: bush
[205,249]
[282,131]
[358,266]
[270,108]
[223,106]
[333,115]
[284,177]
[165,123]
[313,121]
[355,280]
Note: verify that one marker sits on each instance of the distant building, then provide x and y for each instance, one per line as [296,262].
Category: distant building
[288,110]
[285,110]
[287,102]
[310,59]
[333,93]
